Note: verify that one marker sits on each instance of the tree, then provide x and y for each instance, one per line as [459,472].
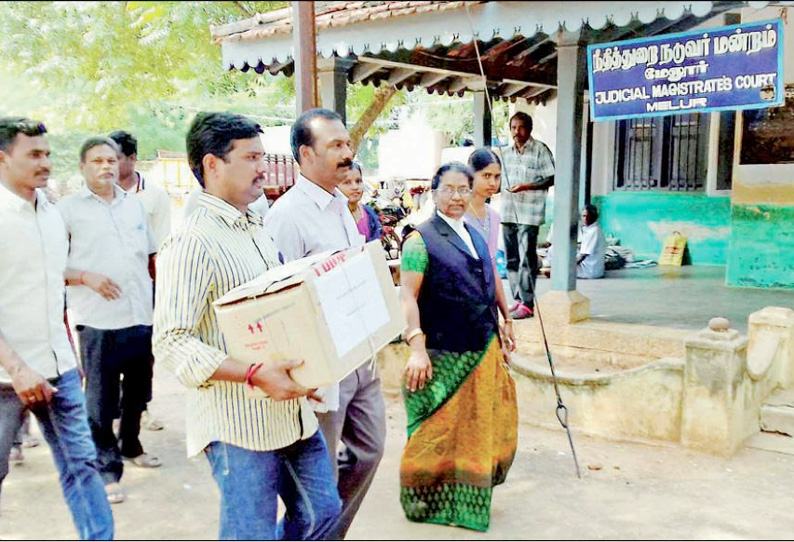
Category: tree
[104,59]
[147,67]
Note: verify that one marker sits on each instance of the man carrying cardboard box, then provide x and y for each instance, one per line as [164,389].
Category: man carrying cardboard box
[313,217]
[259,448]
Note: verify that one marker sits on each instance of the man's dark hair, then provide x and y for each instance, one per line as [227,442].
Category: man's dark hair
[482,158]
[215,133]
[592,211]
[92,142]
[10,127]
[126,142]
[523,117]
[301,133]
[459,167]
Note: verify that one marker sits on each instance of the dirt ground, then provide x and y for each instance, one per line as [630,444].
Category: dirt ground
[627,491]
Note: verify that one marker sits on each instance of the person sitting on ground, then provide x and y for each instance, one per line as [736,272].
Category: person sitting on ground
[592,249]
[591,256]
[366,218]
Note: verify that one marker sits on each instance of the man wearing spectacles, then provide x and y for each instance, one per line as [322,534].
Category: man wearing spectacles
[110,303]
[38,369]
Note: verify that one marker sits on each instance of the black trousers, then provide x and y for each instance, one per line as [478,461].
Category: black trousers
[521,253]
[107,355]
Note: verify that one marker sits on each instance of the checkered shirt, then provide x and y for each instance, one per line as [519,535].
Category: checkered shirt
[529,165]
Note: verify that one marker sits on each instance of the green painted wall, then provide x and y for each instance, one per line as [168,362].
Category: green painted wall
[761,247]
[642,220]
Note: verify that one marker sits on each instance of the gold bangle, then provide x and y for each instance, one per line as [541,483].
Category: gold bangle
[412,334]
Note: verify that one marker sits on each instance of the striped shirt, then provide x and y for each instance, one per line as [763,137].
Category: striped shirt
[216,249]
[531,164]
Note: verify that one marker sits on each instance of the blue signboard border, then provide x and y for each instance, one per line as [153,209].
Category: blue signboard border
[780,97]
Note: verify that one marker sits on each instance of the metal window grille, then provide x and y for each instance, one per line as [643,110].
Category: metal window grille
[662,153]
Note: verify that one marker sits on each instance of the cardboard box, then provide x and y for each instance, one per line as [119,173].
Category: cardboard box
[333,310]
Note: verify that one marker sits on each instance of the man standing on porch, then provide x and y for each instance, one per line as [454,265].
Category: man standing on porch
[312,217]
[530,172]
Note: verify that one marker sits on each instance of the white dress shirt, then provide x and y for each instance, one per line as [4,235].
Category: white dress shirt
[459,228]
[33,252]
[113,239]
[157,203]
[308,220]
[594,248]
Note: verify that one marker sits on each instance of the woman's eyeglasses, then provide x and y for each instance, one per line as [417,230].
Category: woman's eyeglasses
[448,191]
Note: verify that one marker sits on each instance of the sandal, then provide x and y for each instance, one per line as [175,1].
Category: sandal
[146,461]
[150,423]
[115,493]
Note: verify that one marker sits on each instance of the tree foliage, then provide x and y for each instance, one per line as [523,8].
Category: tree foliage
[102,60]
[87,68]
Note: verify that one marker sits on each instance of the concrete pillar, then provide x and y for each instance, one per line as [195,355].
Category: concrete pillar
[304,44]
[571,77]
[333,84]
[482,120]
[563,304]
[770,348]
[718,410]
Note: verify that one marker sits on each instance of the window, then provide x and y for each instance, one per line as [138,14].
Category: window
[662,153]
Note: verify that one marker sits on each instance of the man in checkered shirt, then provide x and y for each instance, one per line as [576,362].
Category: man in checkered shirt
[529,171]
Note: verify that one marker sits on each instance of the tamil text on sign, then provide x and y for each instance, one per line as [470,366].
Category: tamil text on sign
[731,67]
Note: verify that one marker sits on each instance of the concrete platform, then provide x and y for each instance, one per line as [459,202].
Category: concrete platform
[677,297]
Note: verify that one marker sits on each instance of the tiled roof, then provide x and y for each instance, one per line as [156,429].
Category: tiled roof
[329,14]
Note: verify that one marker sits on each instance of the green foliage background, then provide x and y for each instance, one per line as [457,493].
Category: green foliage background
[87,68]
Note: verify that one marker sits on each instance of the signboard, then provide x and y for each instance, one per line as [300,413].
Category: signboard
[725,68]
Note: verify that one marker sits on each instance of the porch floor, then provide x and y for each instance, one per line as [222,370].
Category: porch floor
[684,298]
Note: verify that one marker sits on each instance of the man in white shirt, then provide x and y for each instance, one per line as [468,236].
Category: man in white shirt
[591,256]
[38,370]
[154,198]
[110,303]
[592,250]
[158,209]
[313,217]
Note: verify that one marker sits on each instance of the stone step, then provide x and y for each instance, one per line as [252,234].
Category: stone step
[771,442]
[777,413]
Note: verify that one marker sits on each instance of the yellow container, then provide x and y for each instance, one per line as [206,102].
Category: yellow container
[673,250]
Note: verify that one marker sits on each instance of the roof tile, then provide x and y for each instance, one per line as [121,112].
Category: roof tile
[335,14]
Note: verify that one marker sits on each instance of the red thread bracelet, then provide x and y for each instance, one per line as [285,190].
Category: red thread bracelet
[249,374]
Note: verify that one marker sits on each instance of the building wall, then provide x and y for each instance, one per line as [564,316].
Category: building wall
[749,228]
[641,221]
[761,251]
